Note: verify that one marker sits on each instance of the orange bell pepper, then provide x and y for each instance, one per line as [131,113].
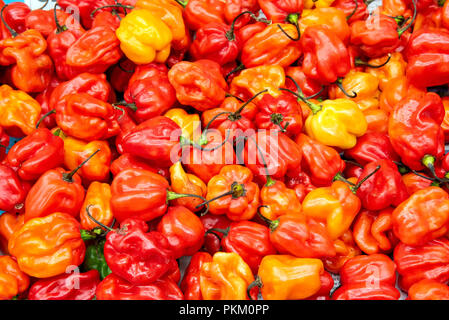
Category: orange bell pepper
[278,200]
[48,246]
[332,18]
[394,91]
[182,182]
[377,120]
[284,277]
[346,248]
[394,68]
[97,198]
[427,289]
[227,277]
[12,280]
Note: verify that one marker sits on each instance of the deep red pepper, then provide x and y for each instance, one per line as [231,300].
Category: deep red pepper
[190,284]
[13,192]
[212,243]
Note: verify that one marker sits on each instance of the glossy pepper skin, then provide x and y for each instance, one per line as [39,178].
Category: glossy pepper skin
[394,68]
[19,112]
[15,15]
[426,53]
[346,248]
[371,277]
[115,288]
[185,183]
[12,280]
[324,63]
[243,194]
[4,141]
[190,123]
[383,189]
[285,277]
[372,146]
[321,162]
[336,205]
[281,113]
[37,153]
[395,91]
[97,198]
[428,261]
[278,200]
[13,190]
[212,243]
[226,277]
[95,260]
[150,91]
[81,286]
[428,290]
[128,161]
[250,240]
[373,231]
[348,7]
[32,68]
[199,84]
[136,255]
[423,217]
[337,124]
[183,230]
[77,151]
[9,223]
[190,284]
[415,129]
[48,246]
[53,192]
[308,86]
[312,238]
[279,11]
[144,37]
[154,140]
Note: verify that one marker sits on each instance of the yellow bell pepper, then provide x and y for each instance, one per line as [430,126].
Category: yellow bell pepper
[190,123]
[144,37]
[19,112]
[170,12]
[336,123]
[284,277]
[364,84]
[394,68]
[227,277]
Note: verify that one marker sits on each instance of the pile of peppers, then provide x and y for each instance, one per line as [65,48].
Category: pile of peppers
[271,144]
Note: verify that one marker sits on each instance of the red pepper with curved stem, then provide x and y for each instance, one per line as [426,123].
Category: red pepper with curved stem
[199,84]
[426,54]
[56,191]
[12,192]
[72,286]
[321,162]
[370,277]
[212,244]
[355,10]
[130,189]
[373,231]
[43,98]
[128,161]
[311,237]
[94,85]
[309,87]
[233,117]
[301,183]
[87,118]
[44,20]
[136,255]
[384,188]
[233,193]
[281,113]
[372,146]
[15,16]
[149,92]
[378,35]
[249,240]
[424,216]
[234,7]
[183,230]
[190,284]
[415,130]
[156,139]
[326,58]
[37,153]
[428,261]
[114,287]
[84,8]
[282,11]
[107,18]
[272,153]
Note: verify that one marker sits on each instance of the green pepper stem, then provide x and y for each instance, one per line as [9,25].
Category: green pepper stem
[353,11]
[230,35]
[173,196]
[225,232]
[360,62]
[237,190]
[256,283]
[45,116]
[11,30]
[118,5]
[236,69]
[59,28]
[339,84]
[68,177]
[358,185]
[183,3]
[272,224]
[95,220]
[131,106]
[401,31]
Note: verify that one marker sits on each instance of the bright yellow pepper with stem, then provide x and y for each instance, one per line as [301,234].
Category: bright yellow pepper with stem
[227,277]
[284,277]
[144,37]
[364,84]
